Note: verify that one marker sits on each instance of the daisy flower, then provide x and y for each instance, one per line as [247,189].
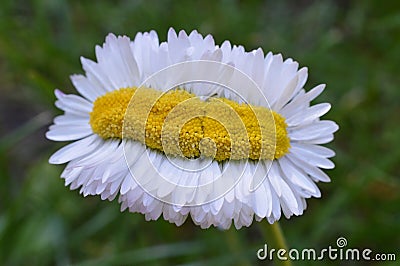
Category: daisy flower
[187,127]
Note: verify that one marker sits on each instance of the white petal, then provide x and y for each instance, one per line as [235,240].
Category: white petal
[177,45]
[285,192]
[301,101]
[317,149]
[312,131]
[65,133]
[86,88]
[311,170]
[312,158]
[73,103]
[116,57]
[286,94]
[295,176]
[319,140]
[260,204]
[127,184]
[95,75]
[308,115]
[71,120]
[75,150]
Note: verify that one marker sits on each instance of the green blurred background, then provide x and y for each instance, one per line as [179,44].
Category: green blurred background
[353,46]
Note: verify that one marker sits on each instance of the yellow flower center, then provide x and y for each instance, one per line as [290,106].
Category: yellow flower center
[179,123]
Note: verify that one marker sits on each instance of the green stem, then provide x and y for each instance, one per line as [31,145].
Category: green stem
[273,232]
[234,244]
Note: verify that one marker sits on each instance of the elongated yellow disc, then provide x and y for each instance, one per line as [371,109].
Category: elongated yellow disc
[181,124]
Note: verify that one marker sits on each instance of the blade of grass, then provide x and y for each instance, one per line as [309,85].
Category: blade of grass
[24,130]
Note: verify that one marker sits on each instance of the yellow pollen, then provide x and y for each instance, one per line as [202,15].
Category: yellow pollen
[179,123]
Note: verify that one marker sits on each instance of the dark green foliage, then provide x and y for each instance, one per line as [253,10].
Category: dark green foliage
[353,46]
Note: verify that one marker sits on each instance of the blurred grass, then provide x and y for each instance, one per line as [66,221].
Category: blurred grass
[353,46]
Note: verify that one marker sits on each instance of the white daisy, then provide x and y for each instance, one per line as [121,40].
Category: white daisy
[187,127]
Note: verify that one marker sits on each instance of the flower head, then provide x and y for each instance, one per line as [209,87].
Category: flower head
[187,127]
